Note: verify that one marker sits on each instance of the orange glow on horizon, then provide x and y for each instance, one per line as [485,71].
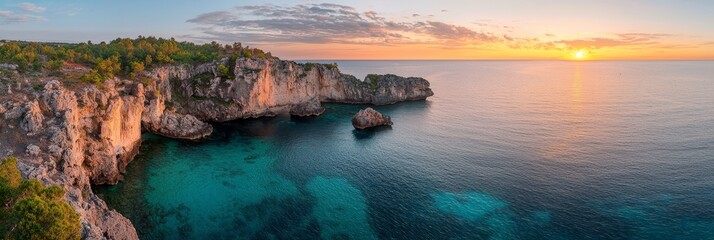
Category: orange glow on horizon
[337,51]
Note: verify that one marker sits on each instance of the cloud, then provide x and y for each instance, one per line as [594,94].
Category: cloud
[341,24]
[620,40]
[489,23]
[328,23]
[629,40]
[600,42]
[69,10]
[29,7]
[9,17]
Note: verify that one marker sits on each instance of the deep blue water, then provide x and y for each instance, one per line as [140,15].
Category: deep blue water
[504,150]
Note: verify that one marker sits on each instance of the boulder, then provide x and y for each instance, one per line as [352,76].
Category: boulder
[32,122]
[32,150]
[307,109]
[367,118]
[181,126]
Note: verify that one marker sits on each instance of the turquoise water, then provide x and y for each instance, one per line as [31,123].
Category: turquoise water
[504,150]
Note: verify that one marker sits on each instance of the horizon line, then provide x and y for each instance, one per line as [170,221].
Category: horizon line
[378,59]
[501,59]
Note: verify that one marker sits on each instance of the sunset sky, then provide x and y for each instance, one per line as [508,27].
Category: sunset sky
[375,29]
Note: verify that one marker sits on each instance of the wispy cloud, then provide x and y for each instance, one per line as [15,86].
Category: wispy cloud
[69,10]
[329,23]
[29,7]
[630,40]
[26,12]
[9,17]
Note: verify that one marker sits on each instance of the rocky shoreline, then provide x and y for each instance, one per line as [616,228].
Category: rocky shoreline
[75,136]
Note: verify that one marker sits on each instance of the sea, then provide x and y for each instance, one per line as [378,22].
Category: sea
[503,150]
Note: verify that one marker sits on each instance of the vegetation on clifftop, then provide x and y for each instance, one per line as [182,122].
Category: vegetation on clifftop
[32,211]
[122,56]
[308,66]
[372,80]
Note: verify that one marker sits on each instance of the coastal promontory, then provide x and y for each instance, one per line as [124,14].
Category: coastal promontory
[73,114]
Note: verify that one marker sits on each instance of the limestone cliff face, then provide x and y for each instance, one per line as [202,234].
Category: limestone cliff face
[376,89]
[91,136]
[267,87]
[157,119]
[88,134]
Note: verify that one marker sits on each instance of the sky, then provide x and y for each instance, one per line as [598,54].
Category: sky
[377,29]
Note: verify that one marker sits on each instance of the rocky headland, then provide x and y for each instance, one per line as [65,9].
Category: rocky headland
[75,135]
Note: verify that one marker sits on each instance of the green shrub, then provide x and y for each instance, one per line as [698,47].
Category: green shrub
[308,66]
[331,66]
[223,71]
[32,211]
[372,80]
[55,65]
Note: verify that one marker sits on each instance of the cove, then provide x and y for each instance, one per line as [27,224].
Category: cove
[505,150]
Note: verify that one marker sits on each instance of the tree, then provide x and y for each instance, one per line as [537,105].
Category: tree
[108,67]
[54,65]
[10,180]
[163,58]
[117,57]
[147,60]
[136,69]
[45,216]
[32,211]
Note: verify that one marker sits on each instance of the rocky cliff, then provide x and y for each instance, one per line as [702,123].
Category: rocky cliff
[268,87]
[74,136]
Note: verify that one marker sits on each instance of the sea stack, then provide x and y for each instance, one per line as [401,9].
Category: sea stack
[367,118]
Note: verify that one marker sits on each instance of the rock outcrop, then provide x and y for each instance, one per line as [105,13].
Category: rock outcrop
[375,89]
[269,87]
[307,109]
[32,150]
[155,118]
[83,135]
[183,126]
[32,122]
[368,118]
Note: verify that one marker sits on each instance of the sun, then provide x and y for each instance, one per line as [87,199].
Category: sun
[580,54]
